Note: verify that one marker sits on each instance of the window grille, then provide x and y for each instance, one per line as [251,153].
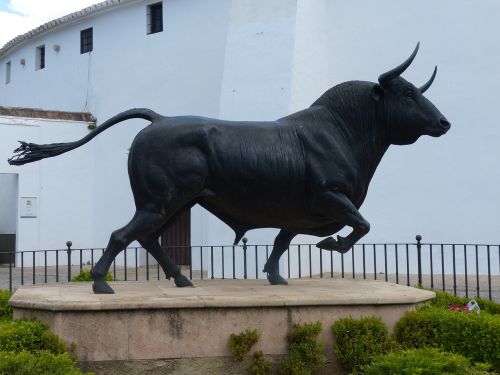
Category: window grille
[155,18]
[40,57]
[7,72]
[86,40]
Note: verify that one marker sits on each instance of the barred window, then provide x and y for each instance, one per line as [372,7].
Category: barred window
[155,18]
[7,72]
[86,40]
[40,57]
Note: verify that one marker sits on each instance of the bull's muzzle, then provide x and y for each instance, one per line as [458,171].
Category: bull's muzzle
[445,124]
[441,128]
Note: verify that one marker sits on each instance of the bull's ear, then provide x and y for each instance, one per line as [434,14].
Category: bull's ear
[377,92]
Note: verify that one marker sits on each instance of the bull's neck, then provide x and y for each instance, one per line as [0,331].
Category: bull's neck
[355,117]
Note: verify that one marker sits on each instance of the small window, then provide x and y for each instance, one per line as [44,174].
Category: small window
[155,18]
[86,40]
[7,72]
[40,57]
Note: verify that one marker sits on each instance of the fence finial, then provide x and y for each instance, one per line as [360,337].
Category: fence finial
[245,240]
[419,258]
[69,244]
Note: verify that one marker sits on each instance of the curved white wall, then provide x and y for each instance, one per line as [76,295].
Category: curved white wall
[177,71]
[261,60]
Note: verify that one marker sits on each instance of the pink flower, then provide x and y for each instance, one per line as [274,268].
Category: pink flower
[454,307]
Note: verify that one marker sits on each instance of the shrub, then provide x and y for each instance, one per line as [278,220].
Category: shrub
[240,345]
[428,361]
[358,341]
[472,335]
[306,354]
[5,309]
[446,299]
[260,366]
[44,363]
[31,336]
[84,275]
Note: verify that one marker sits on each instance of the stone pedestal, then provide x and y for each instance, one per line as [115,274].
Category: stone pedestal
[147,322]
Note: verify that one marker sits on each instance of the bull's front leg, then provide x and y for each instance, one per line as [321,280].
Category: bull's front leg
[337,207]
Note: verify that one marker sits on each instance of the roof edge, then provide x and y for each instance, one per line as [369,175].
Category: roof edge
[47,115]
[68,19]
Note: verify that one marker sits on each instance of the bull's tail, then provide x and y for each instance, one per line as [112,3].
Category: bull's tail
[30,152]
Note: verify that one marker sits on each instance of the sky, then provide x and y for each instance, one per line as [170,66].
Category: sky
[20,16]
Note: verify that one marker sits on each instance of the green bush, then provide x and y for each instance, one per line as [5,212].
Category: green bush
[240,345]
[260,366]
[306,354]
[28,335]
[428,361]
[358,341]
[472,335]
[84,275]
[5,309]
[43,363]
[446,299]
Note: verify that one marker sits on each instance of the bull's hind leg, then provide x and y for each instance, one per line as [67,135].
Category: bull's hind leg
[281,243]
[150,243]
[143,222]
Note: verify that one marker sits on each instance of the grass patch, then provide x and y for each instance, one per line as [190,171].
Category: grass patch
[444,300]
[84,275]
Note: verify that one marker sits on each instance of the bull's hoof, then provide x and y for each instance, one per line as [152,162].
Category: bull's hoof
[276,279]
[271,268]
[182,281]
[100,286]
[340,244]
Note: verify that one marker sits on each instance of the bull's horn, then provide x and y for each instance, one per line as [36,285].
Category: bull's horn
[429,82]
[385,78]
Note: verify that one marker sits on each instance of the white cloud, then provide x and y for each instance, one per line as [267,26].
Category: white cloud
[14,24]
[29,14]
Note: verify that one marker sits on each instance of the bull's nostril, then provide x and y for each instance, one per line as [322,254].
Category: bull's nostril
[445,122]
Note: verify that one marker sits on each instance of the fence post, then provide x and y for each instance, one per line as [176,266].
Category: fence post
[11,262]
[419,258]
[245,240]
[68,244]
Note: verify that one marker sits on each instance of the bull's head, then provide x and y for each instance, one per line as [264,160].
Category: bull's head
[407,112]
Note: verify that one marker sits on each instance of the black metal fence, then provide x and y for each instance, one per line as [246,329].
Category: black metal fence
[471,270]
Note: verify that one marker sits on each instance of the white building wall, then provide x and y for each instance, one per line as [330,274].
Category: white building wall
[242,59]
[443,188]
[256,84]
[62,186]
[177,71]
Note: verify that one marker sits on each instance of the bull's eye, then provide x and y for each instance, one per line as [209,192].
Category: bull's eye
[408,93]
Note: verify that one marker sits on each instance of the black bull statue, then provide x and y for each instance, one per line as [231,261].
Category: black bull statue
[306,173]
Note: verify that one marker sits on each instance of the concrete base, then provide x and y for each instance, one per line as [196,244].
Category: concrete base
[156,321]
